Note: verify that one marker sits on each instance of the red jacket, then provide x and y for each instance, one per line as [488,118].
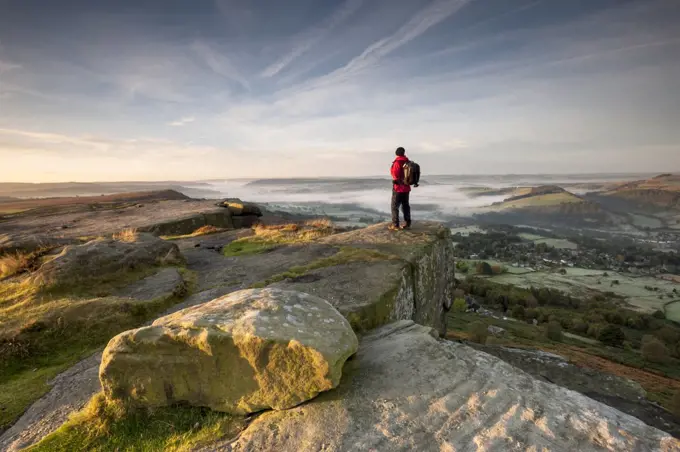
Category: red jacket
[397,172]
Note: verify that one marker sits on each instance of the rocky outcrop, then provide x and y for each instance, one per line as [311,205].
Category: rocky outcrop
[407,390]
[219,218]
[240,208]
[232,215]
[417,284]
[10,244]
[102,258]
[242,353]
[168,282]
[618,392]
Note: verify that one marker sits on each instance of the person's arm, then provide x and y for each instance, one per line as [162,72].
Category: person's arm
[396,172]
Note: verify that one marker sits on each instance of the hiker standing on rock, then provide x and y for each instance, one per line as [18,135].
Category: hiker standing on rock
[404,174]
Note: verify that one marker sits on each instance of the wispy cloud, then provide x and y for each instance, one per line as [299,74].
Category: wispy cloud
[10,89]
[305,41]
[219,63]
[465,85]
[183,121]
[49,138]
[6,66]
[433,14]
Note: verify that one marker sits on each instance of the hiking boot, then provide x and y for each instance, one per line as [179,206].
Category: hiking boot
[393,227]
[406,226]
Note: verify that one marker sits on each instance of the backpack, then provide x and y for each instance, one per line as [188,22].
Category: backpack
[411,173]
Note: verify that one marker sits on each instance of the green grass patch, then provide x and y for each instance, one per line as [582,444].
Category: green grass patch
[516,332]
[546,200]
[248,247]
[17,393]
[106,426]
[42,334]
[269,237]
[346,255]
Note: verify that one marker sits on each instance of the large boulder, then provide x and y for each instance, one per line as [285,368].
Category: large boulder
[241,353]
[407,390]
[101,258]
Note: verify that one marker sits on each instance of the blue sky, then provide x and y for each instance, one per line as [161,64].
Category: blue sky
[171,89]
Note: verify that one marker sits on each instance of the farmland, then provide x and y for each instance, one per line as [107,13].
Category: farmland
[644,293]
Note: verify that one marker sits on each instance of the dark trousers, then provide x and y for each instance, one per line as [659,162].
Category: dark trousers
[400,199]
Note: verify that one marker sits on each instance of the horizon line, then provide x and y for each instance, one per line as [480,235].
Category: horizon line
[150,181]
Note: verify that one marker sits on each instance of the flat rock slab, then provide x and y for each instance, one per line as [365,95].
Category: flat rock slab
[94,220]
[215,270]
[407,244]
[211,241]
[71,390]
[618,392]
[406,390]
[164,284]
[351,288]
[242,353]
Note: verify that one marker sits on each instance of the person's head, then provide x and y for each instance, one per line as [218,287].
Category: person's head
[400,152]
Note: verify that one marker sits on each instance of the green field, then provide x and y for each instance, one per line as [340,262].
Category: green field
[551,199]
[467,230]
[530,237]
[673,311]
[505,266]
[518,270]
[555,243]
[587,340]
[558,243]
[582,282]
[645,221]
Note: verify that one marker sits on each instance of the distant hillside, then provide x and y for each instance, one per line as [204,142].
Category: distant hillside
[476,192]
[546,205]
[662,191]
[66,189]
[20,205]
[543,191]
[549,199]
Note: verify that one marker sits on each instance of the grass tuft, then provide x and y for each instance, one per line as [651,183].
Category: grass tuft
[203,230]
[21,262]
[111,426]
[320,223]
[126,235]
[13,264]
[268,237]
